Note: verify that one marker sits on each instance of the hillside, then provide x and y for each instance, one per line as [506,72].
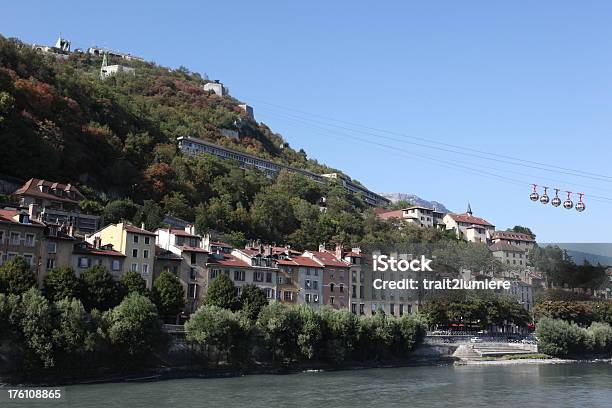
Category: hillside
[58,120]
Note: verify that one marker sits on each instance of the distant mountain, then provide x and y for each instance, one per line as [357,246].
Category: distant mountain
[593,252]
[416,200]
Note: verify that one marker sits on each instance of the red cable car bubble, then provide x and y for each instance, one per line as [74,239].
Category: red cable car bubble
[545,199]
[568,204]
[580,207]
[556,201]
[534,196]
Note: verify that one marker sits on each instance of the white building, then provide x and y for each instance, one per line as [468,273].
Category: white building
[217,87]
[468,227]
[248,109]
[416,215]
[111,70]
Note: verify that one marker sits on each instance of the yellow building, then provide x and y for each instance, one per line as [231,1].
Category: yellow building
[137,244]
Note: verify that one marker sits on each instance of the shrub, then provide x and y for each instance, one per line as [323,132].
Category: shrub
[560,338]
[61,283]
[600,337]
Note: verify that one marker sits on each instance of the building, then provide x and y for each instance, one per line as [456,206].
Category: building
[509,254]
[360,277]
[56,203]
[468,227]
[217,87]
[194,146]
[262,271]
[522,292]
[61,49]
[21,235]
[302,281]
[248,110]
[336,282]
[56,249]
[99,51]
[137,244]
[187,249]
[85,255]
[416,215]
[518,239]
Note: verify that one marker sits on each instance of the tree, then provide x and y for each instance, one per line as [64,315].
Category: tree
[73,334]
[252,299]
[61,283]
[133,327]
[133,282]
[151,214]
[222,293]
[16,276]
[98,289]
[310,337]
[36,326]
[280,327]
[340,333]
[118,210]
[522,230]
[215,328]
[168,295]
[560,338]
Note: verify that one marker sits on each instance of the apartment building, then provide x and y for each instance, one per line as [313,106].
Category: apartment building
[85,255]
[20,235]
[336,276]
[56,249]
[518,239]
[306,281]
[468,227]
[512,255]
[187,249]
[416,215]
[360,277]
[194,146]
[137,244]
[262,271]
[56,203]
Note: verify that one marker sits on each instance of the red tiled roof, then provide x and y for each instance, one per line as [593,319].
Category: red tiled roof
[136,230]
[354,254]
[182,233]
[250,251]
[328,259]
[300,261]
[228,260]
[391,214]
[511,235]
[220,244]
[469,219]
[188,248]
[7,216]
[31,188]
[88,249]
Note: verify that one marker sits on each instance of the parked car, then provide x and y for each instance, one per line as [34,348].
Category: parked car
[475,340]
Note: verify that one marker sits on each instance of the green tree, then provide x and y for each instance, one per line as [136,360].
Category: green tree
[168,295]
[133,327]
[151,214]
[522,230]
[61,283]
[215,328]
[36,325]
[560,338]
[73,334]
[252,299]
[222,293]
[98,289]
[16,276]
[118,210]
[280,328]
[310,338]
[133,282]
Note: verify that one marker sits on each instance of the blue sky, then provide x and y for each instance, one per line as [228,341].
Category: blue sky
[526,79]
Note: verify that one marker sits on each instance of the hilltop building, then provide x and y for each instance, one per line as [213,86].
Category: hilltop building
[98,51]
[416,215]
[217,87]
[468,227]
[110,70]
[521,240]
[248,110]
[194,146]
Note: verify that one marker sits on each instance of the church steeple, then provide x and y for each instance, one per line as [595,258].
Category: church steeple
[469,209]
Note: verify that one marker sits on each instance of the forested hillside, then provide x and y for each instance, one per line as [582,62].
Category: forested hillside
[116,140]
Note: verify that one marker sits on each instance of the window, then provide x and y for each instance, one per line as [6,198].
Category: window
[145,253]
[83,262]
[193,273]
[361,306]
[147,240]
[360,276]
[1,237]
[288,295]
[308,284]
[50,263]
[316,272]
[239,275]
[315,284]
[401,310]
[269,277]
[214,273]
[361,292]
[315,298]
[331,300]
[269,293]
[134,267]
[392,308]
[258,276]
[116,265]
[341,288]
[354,291]
[307,271]
[353,276]
[135,239]
[192,290]
[145,269]
[307,297]
[279,280]
[52,247]
[15,238]
[134,253]
[29,240]
[194,258]
[331,287]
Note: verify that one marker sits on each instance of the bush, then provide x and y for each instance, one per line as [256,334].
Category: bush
[222,293]
[133,282]
[61,283]
[16,276]
[168,295]
[98,289]
[600,337]
[560,338]
[215,328]
[280,328]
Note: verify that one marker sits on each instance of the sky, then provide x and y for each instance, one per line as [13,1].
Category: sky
[363,86]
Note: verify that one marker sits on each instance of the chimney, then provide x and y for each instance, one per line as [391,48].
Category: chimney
[71,230]
[268,250]
[97,242]
[142,225]
[322,247]
[339,251]
[33,211]
[190,229]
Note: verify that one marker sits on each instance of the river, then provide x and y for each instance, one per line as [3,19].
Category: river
[522,385]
